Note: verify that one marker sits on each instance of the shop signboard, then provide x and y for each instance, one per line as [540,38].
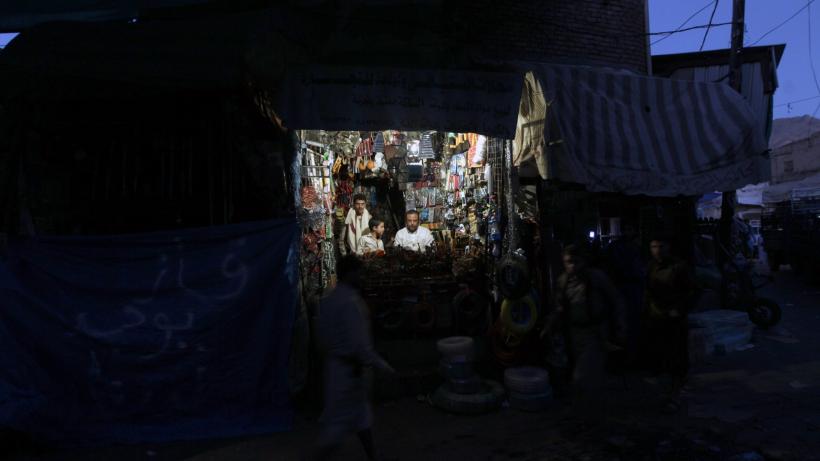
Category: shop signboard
[334,98]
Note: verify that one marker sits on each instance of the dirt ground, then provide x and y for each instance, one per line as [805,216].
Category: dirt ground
[760,403]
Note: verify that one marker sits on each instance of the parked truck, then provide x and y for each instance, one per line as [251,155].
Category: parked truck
[791,231]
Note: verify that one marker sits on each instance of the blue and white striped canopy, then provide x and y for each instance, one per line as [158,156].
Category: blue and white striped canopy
[622,132]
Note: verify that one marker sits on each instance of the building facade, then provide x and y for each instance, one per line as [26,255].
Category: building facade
[795,148]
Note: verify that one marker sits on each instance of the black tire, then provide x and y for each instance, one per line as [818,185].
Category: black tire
[798,265]
[469,304]
[765,313]
[392,319]
[456,346]
[487,400]
[531,402]
[513,278]
[466,386]
[456,370]
[774,262]
[527,380]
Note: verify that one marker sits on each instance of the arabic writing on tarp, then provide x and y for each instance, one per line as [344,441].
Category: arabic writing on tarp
[152,337]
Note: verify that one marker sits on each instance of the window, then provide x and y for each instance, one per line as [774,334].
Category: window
[788,166]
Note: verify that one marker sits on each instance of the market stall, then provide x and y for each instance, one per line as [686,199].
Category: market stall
[448,179]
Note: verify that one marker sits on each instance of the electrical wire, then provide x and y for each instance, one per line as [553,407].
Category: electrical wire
[797,101]
[685,22]
[711,18]
[782,23]
[671,32]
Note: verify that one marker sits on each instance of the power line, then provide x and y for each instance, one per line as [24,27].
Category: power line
[797,101]
[685,22]
[712,17]
[782,23]
[704,26]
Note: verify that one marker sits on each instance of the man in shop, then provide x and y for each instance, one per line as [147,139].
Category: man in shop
[669,296]
[588,308]
[371,244]
[413,237]
[356,223]
[344,339]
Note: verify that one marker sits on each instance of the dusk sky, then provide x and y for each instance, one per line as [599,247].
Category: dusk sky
[795,74]
[796,79]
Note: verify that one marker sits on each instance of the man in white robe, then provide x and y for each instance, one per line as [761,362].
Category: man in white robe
[356,224]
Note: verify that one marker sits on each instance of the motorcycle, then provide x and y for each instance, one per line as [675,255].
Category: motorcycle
[737,287]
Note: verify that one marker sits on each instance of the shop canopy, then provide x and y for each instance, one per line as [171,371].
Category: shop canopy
[622,132]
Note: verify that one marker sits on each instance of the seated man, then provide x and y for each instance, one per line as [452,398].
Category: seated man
[371,244]
[412,237]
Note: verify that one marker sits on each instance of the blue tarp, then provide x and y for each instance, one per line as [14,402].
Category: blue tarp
[152,337]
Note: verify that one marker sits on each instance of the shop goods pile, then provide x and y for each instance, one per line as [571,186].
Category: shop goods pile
[463,390]
[408,264]
[529,388]
[718,332]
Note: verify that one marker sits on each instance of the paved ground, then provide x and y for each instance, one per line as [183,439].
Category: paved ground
[764,400]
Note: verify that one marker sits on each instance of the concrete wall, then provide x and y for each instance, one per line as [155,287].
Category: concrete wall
[804,156]
[597,32]
[603,32]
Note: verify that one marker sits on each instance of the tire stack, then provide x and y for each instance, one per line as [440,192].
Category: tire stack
[463,390]
[529,388]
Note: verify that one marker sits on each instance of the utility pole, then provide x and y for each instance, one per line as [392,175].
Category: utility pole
[727,207]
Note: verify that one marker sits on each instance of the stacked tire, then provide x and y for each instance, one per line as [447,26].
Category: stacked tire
[529,388]
[463,390]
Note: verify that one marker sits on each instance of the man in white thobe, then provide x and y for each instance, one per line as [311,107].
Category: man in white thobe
[356,224]
[413,237]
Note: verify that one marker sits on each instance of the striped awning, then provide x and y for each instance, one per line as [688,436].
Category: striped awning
[622,132]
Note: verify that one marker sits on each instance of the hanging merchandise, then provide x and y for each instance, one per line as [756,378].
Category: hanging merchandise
[378,143]
[344,193]
[414,172]
[479,152]
[391,152]
[426,148]
[379,161]
[413,152]
[309,197]
[488,178]
[410,200]
[397,138]
[514,277]
[337,166]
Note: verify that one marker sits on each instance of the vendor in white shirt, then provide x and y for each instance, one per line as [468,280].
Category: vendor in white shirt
[412,236]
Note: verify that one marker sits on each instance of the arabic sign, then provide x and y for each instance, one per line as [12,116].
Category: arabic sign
[376,99]
[149,337]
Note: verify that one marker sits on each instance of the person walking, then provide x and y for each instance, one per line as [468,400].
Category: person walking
[669,297]
[627,269]
[588,308]
[345,341]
